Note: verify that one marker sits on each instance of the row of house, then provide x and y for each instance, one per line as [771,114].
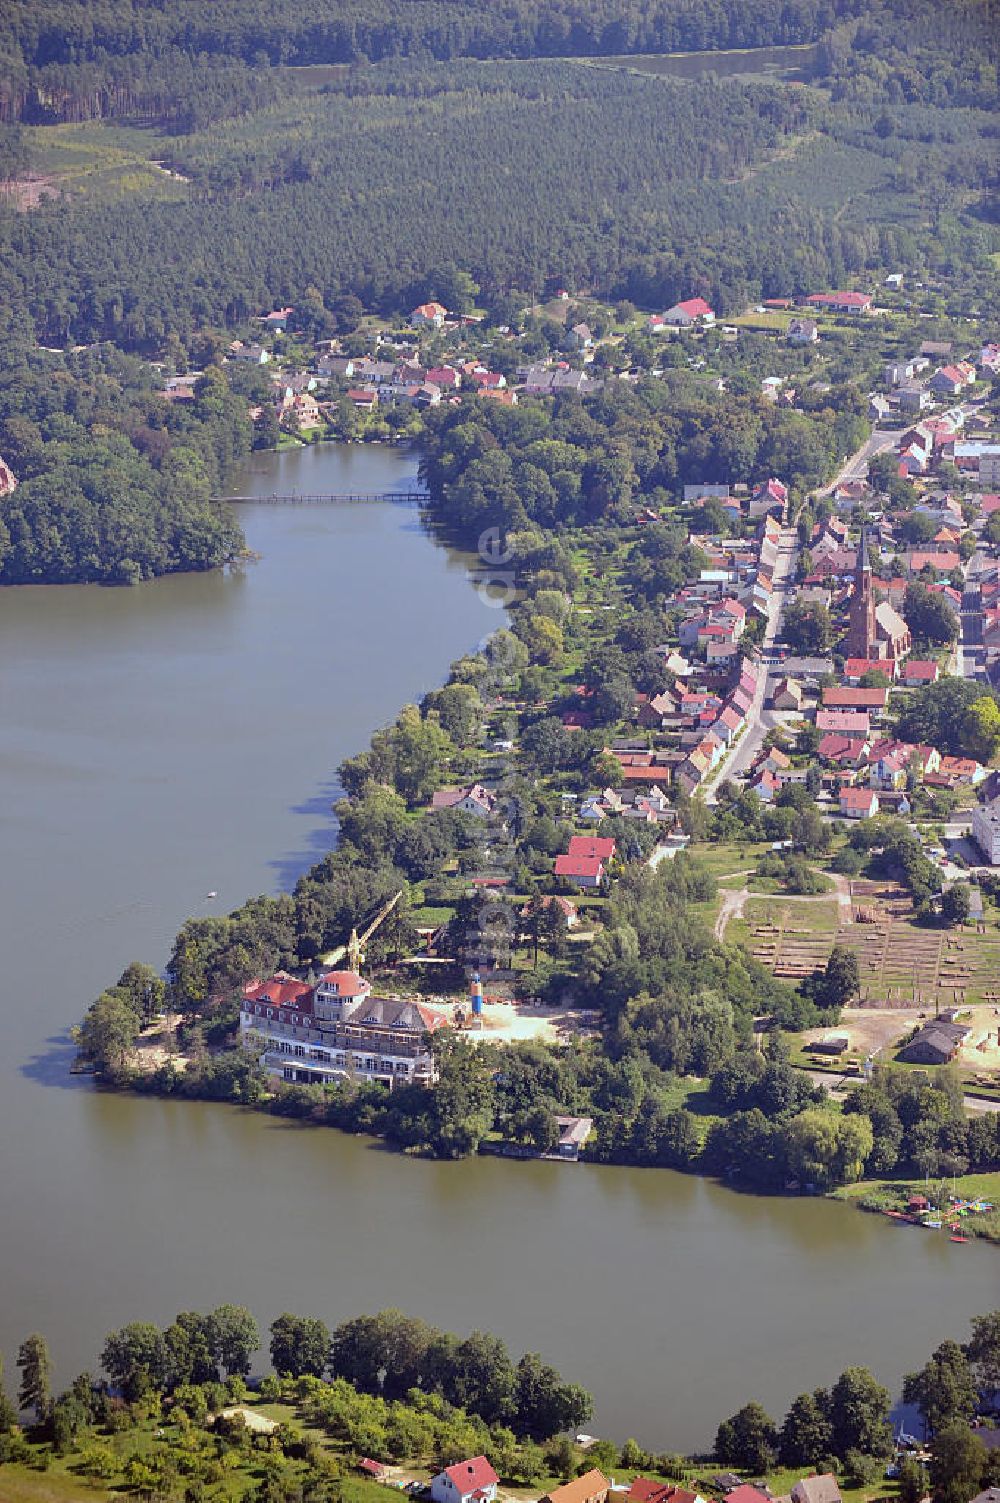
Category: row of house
[475,1481]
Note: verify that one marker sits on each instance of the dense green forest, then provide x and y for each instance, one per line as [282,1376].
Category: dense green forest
[115,482]
[183,62]
[627,185]
[401,176]
[562,464]
[66,60]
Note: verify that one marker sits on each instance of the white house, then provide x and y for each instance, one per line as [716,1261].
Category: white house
[694,310]
[802,331]
[472,1481]
[473,800]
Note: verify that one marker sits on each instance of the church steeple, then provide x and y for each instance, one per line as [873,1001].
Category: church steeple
[862,637]
[863,565]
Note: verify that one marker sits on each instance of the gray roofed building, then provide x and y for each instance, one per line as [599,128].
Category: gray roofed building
[934,1044]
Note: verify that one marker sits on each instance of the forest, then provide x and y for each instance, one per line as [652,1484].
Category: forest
[572,464]
[116,484]
[401,175]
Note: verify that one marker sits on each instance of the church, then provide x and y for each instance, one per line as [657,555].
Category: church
[876,629]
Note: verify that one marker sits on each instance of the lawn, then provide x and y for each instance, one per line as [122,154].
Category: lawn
[726,857]
[874,1195]
[969,1185]
[22,1485]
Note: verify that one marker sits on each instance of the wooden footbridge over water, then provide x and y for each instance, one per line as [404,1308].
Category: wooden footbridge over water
[328,498]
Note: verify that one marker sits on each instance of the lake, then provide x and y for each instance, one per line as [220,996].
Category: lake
[754,64]
[180,737]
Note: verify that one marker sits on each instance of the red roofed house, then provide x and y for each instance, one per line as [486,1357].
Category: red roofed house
[769,498]
[282,990]
[473,800]
[428,313]
[585,871]
[646,1490]
[365,397]
[920,671]
[694,310]
[846,751]
[944,562]
[847,722]
[858,803]
[766,784]
[466,1481]
[839,698]
[856,668]
[950,379]
[746,1493]
[842,302]
[962,770]
[445,376]
[592,845]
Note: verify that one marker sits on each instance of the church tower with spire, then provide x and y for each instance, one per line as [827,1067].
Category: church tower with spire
[862,633]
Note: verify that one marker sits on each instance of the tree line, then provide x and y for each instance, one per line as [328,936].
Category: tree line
[116,483]
[845,1429]
[188,1376]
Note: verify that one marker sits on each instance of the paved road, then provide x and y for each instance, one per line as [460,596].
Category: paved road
[856,467]
[759,720]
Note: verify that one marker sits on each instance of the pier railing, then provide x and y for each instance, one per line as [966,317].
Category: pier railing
[329,498]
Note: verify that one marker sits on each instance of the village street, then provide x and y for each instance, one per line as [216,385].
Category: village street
[856,466]
[759,720]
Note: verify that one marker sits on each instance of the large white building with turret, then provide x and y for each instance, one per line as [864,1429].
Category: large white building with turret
[334,1029]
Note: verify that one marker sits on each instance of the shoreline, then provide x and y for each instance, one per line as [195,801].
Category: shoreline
[492,1148]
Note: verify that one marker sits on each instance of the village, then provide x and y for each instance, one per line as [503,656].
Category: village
[812,625]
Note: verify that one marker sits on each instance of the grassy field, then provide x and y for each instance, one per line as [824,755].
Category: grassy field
[103,161]
[902,963]
[727,857]
[896,1192]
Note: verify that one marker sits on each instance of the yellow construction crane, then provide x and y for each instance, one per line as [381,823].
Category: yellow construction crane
[354,949]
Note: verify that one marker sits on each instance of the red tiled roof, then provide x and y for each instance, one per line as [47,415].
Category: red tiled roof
[845,299]
[919,668]
[646,1490]
[694,307]
[857,667]
[281,990]
[579,866]
[837,698]
[592,845]
[472,1476]
[746,1494]
[348,983]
